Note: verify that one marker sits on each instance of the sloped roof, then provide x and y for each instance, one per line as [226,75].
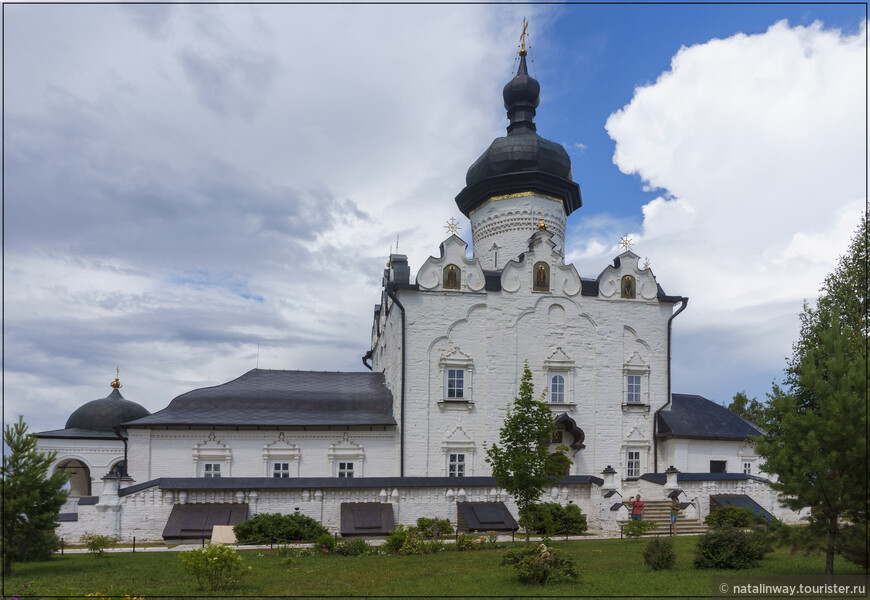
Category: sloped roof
[691,416]
[282,398]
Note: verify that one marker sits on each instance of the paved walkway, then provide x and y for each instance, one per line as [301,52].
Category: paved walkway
[600,535]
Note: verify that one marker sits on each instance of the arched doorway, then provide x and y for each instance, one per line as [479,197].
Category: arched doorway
[79,477]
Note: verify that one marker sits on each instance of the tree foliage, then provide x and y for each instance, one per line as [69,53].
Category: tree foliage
[31,499]
[751,410]
[521,461]
[816,440]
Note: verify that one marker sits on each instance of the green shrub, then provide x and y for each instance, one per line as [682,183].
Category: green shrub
[635,529]
[659,554]
[215,566]
[550,518]
[540,563]
[397,538]
[98,544]
[434,527]
[730,548]
[324,544]
[353,547]
[266,528]
[466,542]
[733,516]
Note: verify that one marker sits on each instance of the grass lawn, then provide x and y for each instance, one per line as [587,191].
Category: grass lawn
[608,568]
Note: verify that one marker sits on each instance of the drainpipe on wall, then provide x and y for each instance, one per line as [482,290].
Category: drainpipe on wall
[117,431]
[391,293]
[683,303]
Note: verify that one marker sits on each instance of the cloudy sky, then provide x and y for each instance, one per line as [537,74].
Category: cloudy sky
[186,184]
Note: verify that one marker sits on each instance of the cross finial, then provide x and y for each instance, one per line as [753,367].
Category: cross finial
[542,226]
[523,36]
[117,383]
[626,242]
[646,262]
[452,226]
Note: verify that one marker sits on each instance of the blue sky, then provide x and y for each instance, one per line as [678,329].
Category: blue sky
[191,189]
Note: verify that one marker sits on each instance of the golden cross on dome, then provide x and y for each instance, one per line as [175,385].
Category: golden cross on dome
[452,226]
[117,383]
[523,36]
[626,242]
[542,226]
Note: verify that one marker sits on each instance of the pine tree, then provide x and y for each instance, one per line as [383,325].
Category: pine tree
[31,499]
[816,440]
[521,462]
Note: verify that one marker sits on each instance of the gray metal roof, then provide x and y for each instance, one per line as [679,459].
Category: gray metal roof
[105,413]
[282,398]
[741,501]
[77,433]
[263,483]
[690,416]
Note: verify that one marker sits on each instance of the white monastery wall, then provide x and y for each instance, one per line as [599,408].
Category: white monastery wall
[250,453]
[99,456]
[694,455]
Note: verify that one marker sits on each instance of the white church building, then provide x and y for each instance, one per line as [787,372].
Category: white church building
[361,451]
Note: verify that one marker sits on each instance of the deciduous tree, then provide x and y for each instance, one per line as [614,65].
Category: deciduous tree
[521,462]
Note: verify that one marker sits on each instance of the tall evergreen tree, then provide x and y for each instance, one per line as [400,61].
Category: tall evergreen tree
[31,499]
[521,462]
[816,440]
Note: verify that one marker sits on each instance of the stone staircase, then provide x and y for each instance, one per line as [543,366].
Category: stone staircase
[660,512]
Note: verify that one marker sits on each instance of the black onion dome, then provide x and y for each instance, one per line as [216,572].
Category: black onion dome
[106,413]
[522,160]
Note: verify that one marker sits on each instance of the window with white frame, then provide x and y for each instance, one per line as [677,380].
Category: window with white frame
[633,388]
[211,470]
[346,458]
[747,468]
[557,389]
[455,384]
[456,369]
[345,469]
[281,470]
[456,464]
[632,463]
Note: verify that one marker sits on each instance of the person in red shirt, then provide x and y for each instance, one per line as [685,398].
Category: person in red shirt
[637,509]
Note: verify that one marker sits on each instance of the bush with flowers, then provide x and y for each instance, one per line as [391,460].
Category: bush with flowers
[540,563]
[216,566]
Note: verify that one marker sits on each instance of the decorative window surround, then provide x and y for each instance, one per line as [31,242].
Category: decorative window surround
[281,451]
[635,386]
[559,364]
[458,442]
[449,366]
[212,451]
[345,451]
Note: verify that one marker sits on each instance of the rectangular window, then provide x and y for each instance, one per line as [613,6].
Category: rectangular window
[281,470]
[632,464]
[455,384]
[345,469]
[211,470]
[718,466]
[632,389]
[557,389]
[456,465]
[747,468]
